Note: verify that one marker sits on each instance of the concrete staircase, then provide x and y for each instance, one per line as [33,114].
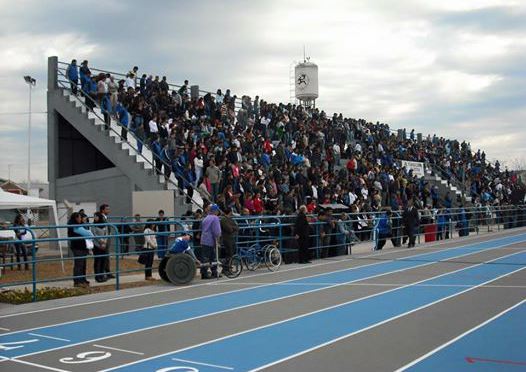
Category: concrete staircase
[138,167]
[443,185]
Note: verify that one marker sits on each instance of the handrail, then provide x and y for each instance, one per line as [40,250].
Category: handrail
[154,155]
[452,179]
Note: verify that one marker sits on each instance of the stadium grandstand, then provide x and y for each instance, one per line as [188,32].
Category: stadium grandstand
[247,154]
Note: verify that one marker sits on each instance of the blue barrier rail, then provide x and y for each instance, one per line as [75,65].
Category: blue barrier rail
[253,231]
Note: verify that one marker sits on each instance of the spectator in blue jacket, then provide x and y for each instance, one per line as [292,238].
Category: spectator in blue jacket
[157,149]
[188,181]
[105,107]
[441,224]
[181,245]
[462,222]
[166,160]
[73,75]
[383,229]
[124,119]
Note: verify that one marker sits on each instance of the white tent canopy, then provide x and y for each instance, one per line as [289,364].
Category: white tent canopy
[15,201]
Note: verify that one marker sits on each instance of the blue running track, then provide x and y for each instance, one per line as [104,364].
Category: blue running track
[270,344]
[22,343]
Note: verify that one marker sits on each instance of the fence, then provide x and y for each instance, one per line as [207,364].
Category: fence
[332,235]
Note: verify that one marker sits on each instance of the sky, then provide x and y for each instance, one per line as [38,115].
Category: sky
[450,67]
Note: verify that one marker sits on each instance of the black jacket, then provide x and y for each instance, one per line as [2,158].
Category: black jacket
[410,217]
[301,227]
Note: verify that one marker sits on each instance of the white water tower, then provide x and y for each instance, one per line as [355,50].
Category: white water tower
[306,82]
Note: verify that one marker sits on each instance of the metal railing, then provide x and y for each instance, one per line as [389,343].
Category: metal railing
[171,86]
[327,239]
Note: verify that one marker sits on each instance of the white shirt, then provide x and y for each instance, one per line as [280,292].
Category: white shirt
[150,241]
[153,126]
[358,147]
[314,192]
[129,83]
[265,121]
[198,163]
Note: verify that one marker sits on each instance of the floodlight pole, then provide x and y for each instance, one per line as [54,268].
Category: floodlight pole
[31,82]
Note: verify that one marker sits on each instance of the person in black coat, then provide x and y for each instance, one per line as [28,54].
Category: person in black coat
[79,249]
[411,221]
[301,233]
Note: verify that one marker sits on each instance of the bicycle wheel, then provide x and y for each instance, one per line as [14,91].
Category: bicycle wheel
[234,267]
[251,259]
[272,258]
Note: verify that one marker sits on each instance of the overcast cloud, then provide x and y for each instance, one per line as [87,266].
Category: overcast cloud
[454,68]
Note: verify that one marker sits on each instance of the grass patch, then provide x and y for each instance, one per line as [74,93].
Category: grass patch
[22,296]
[53,270]
[16,297]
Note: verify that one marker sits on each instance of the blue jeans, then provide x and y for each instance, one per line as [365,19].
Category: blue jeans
[162,245]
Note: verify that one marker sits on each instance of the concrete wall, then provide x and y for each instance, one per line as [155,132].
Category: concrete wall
[148,203]
[109,186]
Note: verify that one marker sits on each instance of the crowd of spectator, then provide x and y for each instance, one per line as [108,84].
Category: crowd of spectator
[272,158]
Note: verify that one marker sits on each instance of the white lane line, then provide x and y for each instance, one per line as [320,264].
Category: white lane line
[468,241]
[425,356]
[326,309]
[202,364]
[250,305]
[4,329]
[38,365]
[262,285]
[117,349]
[3,359]
[50,337]
[391,285]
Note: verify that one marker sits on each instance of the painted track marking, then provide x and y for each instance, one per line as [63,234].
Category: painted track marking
[38,365]
[202,364]
[117,349]
[50,337]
